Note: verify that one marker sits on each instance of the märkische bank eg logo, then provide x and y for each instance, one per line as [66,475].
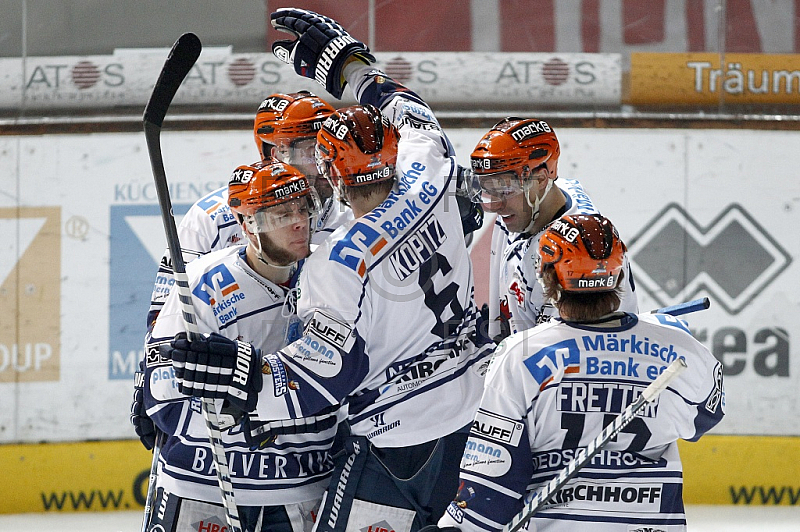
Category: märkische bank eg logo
[732,259]
[30,294]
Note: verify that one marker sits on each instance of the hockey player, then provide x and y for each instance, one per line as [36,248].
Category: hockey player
[516,164]
[550,391]
[391,327]
[242,293]
[285,127]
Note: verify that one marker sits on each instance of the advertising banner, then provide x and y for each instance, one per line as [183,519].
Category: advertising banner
[696,79]
[222,78]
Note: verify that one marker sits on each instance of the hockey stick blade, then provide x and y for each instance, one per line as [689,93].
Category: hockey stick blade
[686,307]
[179,62]
[584,456]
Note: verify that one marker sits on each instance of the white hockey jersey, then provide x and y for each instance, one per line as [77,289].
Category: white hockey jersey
[210,225]
[233,300]
[516,300]
[388,300]
[551,390]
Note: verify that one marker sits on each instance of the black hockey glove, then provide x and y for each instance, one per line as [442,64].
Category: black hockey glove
[321,48]
[141,423]
[214,367]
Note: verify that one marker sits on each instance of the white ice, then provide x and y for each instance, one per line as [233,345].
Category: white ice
[700,518]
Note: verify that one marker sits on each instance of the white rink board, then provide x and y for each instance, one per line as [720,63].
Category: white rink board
[730,197]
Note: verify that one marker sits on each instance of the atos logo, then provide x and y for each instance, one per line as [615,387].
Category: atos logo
[351,250]
[554,360]
[732,259]
[224,282]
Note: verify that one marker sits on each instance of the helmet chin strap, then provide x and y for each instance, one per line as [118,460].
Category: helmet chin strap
[536,204]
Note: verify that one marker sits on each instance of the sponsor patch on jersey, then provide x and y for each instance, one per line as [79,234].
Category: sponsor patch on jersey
[153,356]
[557,359]
[455,512]
[485,458]
[216,279]
[356,247]
[497,428]
[163,385]
[273,366]
[331,330]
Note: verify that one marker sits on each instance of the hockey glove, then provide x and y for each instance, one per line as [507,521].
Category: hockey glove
[259,433]
[141,423]
[321,48]
[215,367]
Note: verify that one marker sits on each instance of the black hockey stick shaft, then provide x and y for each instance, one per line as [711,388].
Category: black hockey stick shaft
[151,484]
[180,61]
[583,457]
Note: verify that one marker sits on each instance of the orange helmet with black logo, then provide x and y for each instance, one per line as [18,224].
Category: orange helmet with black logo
[586,252]
[256,186]
[284,119]
[514,144]
[357,146]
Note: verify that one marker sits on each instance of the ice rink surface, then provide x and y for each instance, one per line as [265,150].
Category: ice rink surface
[700,518]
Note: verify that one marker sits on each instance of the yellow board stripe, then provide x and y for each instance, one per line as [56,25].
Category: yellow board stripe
[743,470]
[68,477]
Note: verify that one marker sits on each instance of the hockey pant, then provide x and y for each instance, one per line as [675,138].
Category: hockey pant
[401,489]
[176,514]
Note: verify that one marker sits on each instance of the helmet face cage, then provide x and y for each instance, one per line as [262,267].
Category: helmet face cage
[519,146]
[357,146]
[284,119]
[294,211]
[585,251]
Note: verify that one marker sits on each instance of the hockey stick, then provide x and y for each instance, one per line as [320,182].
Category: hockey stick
[585,455]
[180,61]
[151,483]
[684,308]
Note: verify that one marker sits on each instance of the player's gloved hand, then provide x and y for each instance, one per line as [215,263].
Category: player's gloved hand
[215,367]
[142,424]
[321,48]
[259,433]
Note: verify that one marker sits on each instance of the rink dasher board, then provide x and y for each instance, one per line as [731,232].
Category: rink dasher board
[81,239]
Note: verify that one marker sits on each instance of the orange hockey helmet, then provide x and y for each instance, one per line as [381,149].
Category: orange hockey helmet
[289,123]
[586,252]
[514,144]
[254,192]
[357,146]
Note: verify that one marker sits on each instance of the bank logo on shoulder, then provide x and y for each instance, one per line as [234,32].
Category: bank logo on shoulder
[218,278]
[554,360]
[360,242]
[30,294]
[675,258]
